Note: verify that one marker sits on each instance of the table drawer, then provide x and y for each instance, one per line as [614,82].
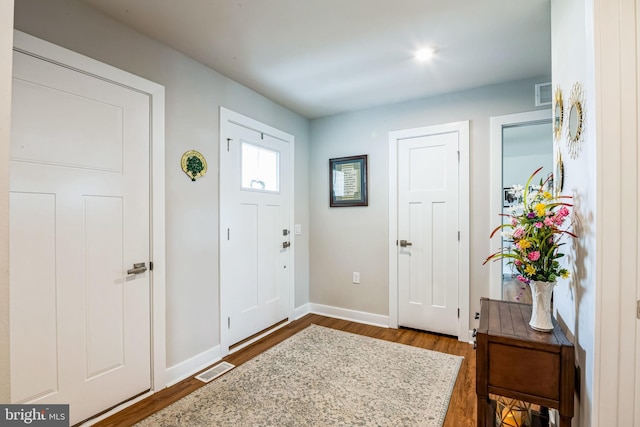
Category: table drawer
[530,371]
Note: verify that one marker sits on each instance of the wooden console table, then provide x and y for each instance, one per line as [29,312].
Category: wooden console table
[515,361]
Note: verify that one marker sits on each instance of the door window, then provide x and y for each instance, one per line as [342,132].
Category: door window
[260,168]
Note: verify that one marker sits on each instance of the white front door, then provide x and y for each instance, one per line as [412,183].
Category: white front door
[79,219]
[255,227]
[427,247]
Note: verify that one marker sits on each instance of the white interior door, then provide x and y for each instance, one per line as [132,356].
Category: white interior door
[255,227]
[428,228]
[79,219]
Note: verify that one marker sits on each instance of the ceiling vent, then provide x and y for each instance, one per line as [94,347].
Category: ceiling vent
[543,94]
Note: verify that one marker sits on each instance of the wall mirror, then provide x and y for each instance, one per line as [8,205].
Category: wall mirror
[558,113]
[520,143]
[575,121]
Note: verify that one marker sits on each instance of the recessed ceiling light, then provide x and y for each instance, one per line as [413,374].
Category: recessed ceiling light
[424,54]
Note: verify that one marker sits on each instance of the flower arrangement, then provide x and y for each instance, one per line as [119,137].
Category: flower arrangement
[536,228]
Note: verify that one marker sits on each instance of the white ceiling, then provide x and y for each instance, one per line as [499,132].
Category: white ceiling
[323,57]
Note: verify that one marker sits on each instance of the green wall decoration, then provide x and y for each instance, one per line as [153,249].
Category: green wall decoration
[193,164]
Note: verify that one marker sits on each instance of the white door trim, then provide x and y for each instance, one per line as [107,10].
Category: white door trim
[495,183]
[228,117]
[613,116]
[463,221]
[49,52]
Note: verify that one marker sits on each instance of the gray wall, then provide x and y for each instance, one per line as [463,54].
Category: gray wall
[344,240]
[194,94]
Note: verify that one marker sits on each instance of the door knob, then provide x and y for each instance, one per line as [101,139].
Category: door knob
[404,243]
[138,268]
[285,245]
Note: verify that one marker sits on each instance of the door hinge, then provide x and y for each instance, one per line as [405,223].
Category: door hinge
[228,140]
[228,233]
[150,265]
[228,322]
[458,236]
[638,309]
[458,155]
[458,313]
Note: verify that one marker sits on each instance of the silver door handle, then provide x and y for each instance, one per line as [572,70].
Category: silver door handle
[285,245]
[138,268]
[404,243]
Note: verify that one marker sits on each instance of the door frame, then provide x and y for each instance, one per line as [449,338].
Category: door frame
[227,118]
[462,128]
[497,123]
[49,52]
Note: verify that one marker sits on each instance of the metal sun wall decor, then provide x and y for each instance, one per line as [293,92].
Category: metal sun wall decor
[193,164]
[558,174]
[575,121]
[558,114]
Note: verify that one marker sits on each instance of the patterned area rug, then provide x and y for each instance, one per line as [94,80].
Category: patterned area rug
[324,377]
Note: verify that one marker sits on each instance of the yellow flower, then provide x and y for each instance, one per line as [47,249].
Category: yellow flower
[547,195]
[530,270]
[540,209]
[524,244]
[565,274]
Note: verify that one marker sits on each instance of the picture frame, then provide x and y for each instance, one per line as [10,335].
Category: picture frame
[508,199]
[348,181]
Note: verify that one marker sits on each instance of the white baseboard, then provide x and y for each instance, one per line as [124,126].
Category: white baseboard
[301,311]
[350,315]
[189,367]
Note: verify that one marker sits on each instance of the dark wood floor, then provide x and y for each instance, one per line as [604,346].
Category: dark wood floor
[462,407]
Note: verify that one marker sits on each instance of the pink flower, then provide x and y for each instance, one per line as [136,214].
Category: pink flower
[518,263]
[514,221]
[548,221]
[538,224]
[534,256]
[518,233]
[563,212]
[523,279]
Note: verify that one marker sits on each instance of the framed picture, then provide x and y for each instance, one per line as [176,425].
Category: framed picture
[348,181]
[508,198]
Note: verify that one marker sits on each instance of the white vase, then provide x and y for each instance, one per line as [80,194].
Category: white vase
[541,311]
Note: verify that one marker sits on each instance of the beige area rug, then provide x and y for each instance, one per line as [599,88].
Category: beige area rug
[324,377]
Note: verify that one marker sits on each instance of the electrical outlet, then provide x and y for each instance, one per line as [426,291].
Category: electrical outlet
[356,277]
